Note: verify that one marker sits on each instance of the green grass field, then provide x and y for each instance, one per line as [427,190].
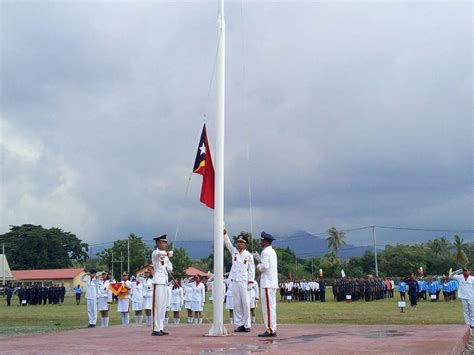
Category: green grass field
[15,320]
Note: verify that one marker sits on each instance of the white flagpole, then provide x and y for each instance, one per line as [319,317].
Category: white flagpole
[217,328]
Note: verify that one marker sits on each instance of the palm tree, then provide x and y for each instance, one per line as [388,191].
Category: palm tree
[335,240]
[439,246]
[460,255]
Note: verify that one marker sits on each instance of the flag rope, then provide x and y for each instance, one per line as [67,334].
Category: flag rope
[244,111]
[180,218]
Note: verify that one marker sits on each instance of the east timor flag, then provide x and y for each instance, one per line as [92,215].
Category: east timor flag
[203,165]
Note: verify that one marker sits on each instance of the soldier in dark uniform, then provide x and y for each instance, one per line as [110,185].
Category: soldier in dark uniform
[413,290]
[62,293]
[322,290]
[9,294]
[44,294]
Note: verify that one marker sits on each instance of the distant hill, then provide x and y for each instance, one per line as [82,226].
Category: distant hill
[307,245]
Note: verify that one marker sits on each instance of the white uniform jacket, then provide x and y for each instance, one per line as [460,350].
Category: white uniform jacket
[147,287]
[466,287]
[91,287]
[177,296]
[198,292]
[103,288]
[243,267]
[269,268]
[161,264]
[137,292]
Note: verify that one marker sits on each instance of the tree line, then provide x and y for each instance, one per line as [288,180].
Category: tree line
[34,247]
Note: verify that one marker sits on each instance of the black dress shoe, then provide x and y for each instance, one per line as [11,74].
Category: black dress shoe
[163,332]
[91,326]
[247,330]
[267,334]
[240,329]
[156,334]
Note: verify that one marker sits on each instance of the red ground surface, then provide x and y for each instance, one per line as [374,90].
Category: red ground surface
[294,338]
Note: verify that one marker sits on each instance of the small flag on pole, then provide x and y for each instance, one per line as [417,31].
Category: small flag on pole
[203,166]
[343,274]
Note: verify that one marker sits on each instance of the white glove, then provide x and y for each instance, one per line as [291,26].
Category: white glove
[170,253]
[256,257]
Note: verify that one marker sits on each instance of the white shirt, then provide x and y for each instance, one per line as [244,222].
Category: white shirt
[91,287]
[269,268]
[147,287]
[137,291]
[187,292]
[103,288]
[466,287]
[243,267]
[161,264]
[254,291]
[198,292]
[228,290]
[177,296]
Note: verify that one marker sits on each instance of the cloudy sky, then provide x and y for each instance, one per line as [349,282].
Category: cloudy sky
[340,114]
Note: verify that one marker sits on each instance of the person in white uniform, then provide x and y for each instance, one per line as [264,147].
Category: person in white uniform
[177,301]
[105,298]
[198,298]
[187,299]
[137,300]
[146,281]
[123,303]
[465,293]
[162,266]
[168,303]
[241,275]
[229,304]
[268,268]
[91,296]
[254,297]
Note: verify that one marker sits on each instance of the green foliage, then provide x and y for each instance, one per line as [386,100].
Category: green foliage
[181,261]
[402,260]
[460,254]
[140,254]
[34,247]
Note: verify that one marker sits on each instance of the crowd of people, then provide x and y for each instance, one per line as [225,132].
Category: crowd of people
[36,294]
[161,298]
[310,290]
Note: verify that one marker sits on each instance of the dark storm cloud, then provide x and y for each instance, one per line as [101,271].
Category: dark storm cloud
[353,113]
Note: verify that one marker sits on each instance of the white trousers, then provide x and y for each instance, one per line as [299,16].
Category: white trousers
[241,303]
[160,300]
[268,297]
[92,311]
[468,310]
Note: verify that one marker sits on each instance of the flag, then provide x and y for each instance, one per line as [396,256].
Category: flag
[203,166]
[343,274]
[118,289]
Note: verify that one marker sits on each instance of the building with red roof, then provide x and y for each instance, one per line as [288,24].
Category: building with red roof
[47,277]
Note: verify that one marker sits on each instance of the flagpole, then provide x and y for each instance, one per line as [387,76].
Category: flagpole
[217,328]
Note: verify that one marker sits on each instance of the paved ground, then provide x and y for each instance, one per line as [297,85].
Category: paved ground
[297,338]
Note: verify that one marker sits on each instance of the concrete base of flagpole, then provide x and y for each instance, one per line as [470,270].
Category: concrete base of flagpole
[217,330]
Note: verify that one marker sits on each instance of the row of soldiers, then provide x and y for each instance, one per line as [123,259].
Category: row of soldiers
[310,290]
[36,294]
[368,289]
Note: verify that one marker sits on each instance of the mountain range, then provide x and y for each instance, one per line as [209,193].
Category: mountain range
[304,244]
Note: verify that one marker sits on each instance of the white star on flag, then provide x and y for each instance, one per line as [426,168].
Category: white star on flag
[202,149]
